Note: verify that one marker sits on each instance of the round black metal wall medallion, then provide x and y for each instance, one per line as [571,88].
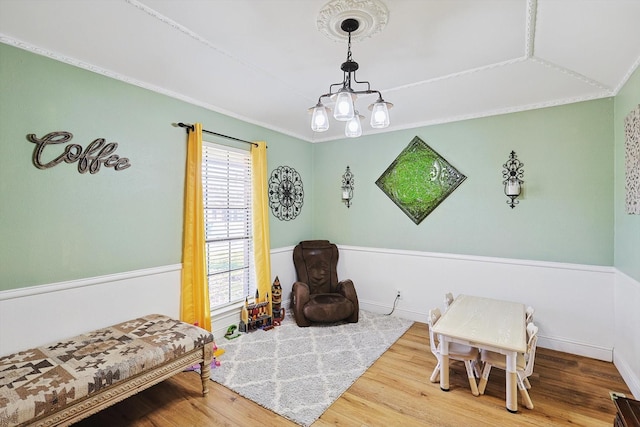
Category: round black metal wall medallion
[286,194]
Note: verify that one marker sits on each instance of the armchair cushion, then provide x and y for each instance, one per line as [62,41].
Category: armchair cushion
[327,308]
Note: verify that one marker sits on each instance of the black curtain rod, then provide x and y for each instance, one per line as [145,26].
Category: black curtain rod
[191,127]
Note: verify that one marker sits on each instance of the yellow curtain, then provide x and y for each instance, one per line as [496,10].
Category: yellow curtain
[194,295]
[261,243]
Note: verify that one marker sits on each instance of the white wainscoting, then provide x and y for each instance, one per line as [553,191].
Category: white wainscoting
[30,317]
[580,309]
[574,303]
[626,355]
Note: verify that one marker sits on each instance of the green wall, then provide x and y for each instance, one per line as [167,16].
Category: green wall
[566,214]
[627,226]
[57,224]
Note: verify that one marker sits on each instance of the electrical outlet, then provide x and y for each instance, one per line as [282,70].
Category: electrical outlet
[614,395]
[398,294]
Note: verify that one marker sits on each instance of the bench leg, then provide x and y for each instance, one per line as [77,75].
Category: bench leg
[205,368]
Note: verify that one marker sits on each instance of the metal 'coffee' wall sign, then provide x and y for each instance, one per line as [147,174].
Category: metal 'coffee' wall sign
[98,153]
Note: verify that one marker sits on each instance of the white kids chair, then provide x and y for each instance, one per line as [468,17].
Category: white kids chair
[463,353]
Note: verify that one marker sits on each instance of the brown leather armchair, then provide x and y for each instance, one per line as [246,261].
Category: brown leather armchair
[318,296]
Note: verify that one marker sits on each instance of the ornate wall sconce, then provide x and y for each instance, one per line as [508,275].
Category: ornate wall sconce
[347,187]
[512,174]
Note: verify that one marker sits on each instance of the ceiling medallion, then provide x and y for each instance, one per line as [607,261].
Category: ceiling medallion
[372,15]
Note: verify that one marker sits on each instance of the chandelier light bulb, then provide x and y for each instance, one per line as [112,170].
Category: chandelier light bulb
[380,114]
[344,109]
[353,129]
[319,119]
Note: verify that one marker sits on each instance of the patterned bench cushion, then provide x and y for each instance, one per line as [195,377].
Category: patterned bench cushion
[45,379]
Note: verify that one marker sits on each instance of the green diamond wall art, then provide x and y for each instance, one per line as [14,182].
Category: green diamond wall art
[419,179]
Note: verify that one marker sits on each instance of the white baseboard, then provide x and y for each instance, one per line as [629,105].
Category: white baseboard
[630,378]
[566,346]
[577,348]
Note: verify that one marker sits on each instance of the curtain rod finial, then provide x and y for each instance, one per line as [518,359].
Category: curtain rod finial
[182,125]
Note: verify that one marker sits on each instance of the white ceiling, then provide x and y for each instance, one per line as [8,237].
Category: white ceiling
[266,62]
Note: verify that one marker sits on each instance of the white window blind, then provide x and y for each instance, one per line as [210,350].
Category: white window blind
[226,184]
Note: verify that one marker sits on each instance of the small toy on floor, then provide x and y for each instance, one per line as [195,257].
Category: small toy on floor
[214,363]
[231,332]
[216,353]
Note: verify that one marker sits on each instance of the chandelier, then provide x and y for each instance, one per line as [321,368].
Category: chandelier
[345,96]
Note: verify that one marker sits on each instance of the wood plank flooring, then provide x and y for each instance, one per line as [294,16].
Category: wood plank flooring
[567,390]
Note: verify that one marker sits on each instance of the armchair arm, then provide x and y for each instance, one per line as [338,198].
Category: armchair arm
[300,297]
[346,288]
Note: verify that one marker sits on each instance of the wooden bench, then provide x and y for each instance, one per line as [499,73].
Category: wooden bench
[62,383]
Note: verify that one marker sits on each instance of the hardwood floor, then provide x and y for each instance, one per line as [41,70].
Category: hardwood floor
[395,391]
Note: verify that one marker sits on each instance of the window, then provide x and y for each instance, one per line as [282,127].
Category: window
[226,189]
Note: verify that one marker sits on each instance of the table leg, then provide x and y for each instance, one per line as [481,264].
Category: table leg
[444,364]
[512,382]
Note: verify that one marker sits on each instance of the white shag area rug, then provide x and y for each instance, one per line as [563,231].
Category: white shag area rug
[299,372]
